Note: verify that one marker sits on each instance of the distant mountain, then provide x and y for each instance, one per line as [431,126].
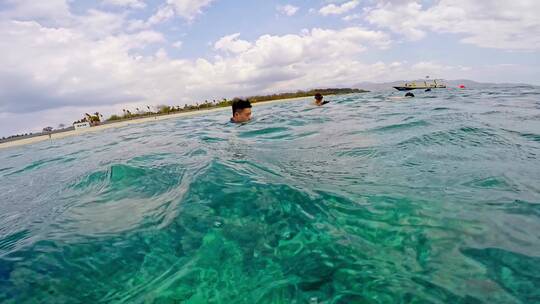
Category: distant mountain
[373,86]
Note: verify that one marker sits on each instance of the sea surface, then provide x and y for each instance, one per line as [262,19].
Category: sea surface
[372,198]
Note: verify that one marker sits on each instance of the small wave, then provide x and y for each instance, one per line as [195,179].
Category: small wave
[197,152]
[9,242]
[493,182]
[464,137]
[358,153]
[50,147]
[265,131]
[491,112]
[529,136]
[70,159]
[523,207]
[211,139]
[38,164]
[511,270]
[15,155]
[122,181]
[297,122]
[398,127]
[451,117]
[529,93]
[304,134]
[125,139]
[76,153]
[149,158]
[111,144]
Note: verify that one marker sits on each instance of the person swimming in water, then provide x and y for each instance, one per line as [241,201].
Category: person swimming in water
[319,100]
[241,109]
[409,94]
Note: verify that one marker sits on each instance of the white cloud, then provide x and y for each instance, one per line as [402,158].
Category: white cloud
[333,9]
[125,3]
[404,21]
[97,23]
[186,9]
[313,58]
[52,11]
[231,43]
[55,67]
[288,9]
[178,44]
[163,14]
[352,17]
[494,24]
[435,68]
[315,45]
[189,9]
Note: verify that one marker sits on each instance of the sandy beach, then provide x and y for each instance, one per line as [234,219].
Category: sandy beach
[123,123]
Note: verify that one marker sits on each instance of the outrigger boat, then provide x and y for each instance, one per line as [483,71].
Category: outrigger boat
[409,86]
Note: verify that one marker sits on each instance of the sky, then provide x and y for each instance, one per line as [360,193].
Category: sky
[62,58]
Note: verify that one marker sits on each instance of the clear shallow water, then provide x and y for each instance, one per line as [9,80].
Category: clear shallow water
[370,199]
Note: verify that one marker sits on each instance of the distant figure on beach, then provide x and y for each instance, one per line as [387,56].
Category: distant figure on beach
[319,100]
[409,94]
[241,109]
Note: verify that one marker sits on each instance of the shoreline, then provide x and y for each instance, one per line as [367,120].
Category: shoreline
[123,123]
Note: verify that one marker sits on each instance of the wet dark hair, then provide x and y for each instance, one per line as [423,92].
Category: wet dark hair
[240,104]
[318,96]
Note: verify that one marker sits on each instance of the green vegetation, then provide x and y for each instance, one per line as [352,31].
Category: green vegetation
[94,120]
[114,117]
[298,94]
[166,109]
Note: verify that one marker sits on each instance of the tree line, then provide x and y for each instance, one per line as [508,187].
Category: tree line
[168,109]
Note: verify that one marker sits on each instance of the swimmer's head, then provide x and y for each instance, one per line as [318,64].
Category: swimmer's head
[318,97]
[409,94]
[241,109]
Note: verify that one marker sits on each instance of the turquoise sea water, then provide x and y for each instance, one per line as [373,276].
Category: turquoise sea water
[369,199]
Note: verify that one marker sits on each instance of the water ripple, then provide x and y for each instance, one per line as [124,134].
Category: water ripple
[369,199]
